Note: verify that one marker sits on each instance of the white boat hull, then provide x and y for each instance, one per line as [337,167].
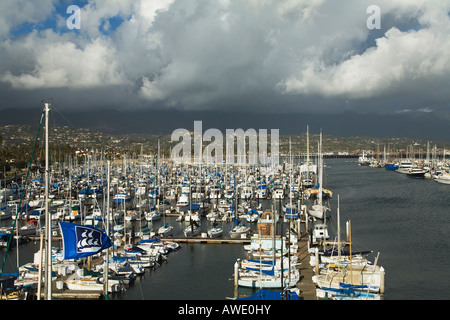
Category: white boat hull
[215,232]
[265,282]
[237,233]
[165,231]
[445,179]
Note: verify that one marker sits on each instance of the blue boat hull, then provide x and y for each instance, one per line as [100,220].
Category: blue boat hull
[391,167]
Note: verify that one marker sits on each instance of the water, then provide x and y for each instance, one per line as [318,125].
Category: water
[196,272]
[405,220]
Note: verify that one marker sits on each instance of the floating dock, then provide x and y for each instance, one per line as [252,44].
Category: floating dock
[208,240]
[306,285]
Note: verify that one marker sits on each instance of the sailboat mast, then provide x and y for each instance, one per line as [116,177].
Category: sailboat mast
[307,148]
[320,168]
[48,249]
[291,180]
[339,231]
[350,243]
[106,270]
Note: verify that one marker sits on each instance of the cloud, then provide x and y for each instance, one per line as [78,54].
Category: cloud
[61,64]
[255,54]
[400,63]
[14,13]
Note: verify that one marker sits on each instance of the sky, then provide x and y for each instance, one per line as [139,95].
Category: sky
[317,56]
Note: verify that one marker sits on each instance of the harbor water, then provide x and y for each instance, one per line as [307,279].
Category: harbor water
[405,220]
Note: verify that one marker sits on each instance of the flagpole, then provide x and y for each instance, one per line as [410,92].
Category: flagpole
[48,249]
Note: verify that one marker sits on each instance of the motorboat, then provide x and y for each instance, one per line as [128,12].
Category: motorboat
[363,160]
[416,172]
[320,232]
[443,178]
[404,166]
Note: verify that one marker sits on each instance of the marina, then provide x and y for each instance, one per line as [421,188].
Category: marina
[282,221]
[161,150]
[102,224]
[338,172]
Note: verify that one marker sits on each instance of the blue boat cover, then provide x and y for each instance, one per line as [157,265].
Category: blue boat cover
[149,240]
[266,272]
[353,286]
[270,295]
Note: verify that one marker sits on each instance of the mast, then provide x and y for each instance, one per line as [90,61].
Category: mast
[320,169]
[307,151]
[48,249]
[339,232]
[291,180]
[350,243]
[106,269]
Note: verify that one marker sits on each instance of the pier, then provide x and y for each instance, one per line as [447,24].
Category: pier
[209,240]
[306,285]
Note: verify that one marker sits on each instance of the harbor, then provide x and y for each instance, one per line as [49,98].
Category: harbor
[307,288]
[282,219]
[224,150]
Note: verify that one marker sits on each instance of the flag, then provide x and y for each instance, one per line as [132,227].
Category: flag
[81,241]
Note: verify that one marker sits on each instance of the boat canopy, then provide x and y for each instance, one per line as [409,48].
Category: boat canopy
[266,272]
[334,252]
[271,295]
[149,240]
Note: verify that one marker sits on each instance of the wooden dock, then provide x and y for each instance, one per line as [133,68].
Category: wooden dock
[306,285]
[208,240]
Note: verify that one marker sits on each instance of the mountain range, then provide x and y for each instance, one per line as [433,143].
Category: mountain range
[409,124]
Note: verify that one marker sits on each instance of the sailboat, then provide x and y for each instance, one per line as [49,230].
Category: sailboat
[6,214]
[192,230]
[266,274]
[364,278]
[267,280]
[88,283]
[193,220]
[289,209]
[153,215]
[239,230]
[319,210]
[215,231]
[307,170]
[165,230]
[263,294]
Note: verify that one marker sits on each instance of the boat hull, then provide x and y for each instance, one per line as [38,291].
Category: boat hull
[266,283]
[215,232]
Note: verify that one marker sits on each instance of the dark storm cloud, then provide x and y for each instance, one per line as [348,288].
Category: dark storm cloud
[291,55]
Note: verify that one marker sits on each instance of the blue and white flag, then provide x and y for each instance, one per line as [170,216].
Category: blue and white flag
[81,241]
